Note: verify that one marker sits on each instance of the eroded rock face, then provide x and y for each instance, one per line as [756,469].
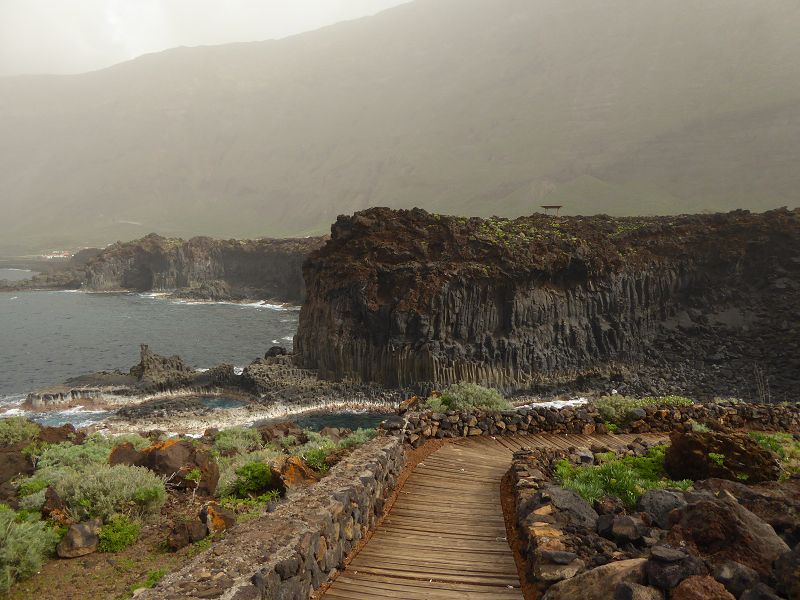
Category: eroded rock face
[699,455]
[403,297]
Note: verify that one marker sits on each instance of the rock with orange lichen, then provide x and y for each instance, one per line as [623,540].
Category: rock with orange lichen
[295,473]
[217,518]
[186,464]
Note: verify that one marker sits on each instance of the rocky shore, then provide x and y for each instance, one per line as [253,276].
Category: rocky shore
[702,304]
[165,393]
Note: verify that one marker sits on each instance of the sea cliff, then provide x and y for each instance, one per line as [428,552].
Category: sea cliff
[702,303]
[204,268]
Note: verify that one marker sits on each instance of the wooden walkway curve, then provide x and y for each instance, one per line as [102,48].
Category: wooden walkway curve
[445,536]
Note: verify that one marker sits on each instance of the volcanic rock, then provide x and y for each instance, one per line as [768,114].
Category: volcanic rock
[659,504]
[775,503]
[700,455]
[185,533]
[81,539]
[598,583]
[667,567]
[700,587]
[721,529]
[736,577]
[787,574]
[180,461]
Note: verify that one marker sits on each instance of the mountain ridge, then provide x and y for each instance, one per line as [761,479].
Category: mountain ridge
[468,107]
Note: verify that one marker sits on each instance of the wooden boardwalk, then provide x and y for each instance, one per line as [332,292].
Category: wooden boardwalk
[445,536]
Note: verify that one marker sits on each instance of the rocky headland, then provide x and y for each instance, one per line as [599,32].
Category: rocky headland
[705,305]
[198,269]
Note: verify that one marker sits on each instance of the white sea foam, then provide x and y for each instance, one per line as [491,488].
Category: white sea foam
[557,403]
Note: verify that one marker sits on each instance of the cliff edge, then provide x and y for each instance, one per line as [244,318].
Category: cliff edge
[707,304]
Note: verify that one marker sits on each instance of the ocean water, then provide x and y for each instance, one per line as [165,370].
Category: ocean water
[16,274]
[47,337]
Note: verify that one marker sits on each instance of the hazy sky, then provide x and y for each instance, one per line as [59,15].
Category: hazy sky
[72,36]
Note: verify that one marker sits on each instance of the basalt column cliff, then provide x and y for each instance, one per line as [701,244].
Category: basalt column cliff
[704,304]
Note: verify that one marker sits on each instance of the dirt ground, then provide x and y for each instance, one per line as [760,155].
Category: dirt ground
[102,576]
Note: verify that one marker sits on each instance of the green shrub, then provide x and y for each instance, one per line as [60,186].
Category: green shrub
[626,478]
[288,441]
[252,479]
[468,396]
[315,458]
[237,439]
[76,456]
[119,533]
[14,430]
[24,544]
[33,502]
[716,458]
[30,485]
[617,408]
[229,465]
[134,439]
[357,438]
[105,491]
[700,428]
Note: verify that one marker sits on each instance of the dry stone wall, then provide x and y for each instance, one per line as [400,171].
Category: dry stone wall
[417,427]
[289,553]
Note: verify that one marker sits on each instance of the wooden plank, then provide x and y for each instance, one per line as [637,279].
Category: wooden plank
[445,538]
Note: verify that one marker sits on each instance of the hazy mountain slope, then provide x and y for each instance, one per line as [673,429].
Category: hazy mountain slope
[460,106]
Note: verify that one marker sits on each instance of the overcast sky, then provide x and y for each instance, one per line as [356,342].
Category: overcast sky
[73,36]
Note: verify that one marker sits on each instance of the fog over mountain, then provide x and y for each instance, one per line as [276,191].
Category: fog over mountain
[458,106]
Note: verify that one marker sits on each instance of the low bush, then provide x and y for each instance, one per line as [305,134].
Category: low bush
[24,545]
[237,439]
[252,480]
[618,409]
[626,478]
[288,441]
[105,491]
[315,458]
[358,437]
[229,465]
[14,430]
[119,533]
[467,396]
[33,502]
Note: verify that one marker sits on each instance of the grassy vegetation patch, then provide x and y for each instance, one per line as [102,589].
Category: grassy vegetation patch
[119,533]
[238,439]
[785,446]
[17,429]
[620,409]
[626,478]
[468,396]
[105,491]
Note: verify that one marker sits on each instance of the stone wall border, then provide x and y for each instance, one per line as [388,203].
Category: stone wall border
[416,428]
[292,551]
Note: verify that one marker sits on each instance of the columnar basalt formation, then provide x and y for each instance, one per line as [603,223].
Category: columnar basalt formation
[204,267]
[405,297]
